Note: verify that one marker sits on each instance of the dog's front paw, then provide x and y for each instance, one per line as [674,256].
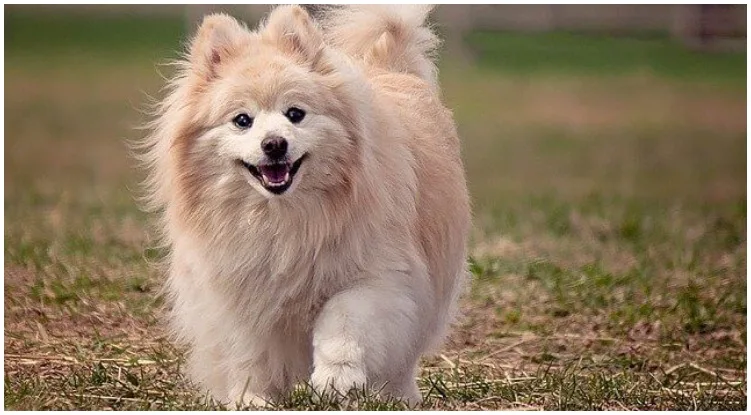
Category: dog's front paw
[242,399]
[339,378]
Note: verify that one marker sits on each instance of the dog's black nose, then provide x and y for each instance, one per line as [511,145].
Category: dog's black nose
[274,147]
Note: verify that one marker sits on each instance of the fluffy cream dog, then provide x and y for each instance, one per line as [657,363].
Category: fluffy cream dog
[313,202]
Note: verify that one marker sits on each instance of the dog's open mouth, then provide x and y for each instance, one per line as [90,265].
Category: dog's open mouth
[275,176]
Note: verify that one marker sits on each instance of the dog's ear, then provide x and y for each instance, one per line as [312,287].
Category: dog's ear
[218,39]
[292,29]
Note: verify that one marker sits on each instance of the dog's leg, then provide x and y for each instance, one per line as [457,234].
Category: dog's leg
[370,335]
[251,385]
[272,365]
[203,369]
[240,395]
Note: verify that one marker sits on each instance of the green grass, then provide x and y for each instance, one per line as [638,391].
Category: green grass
[64,35]
[608,255]
[563,53]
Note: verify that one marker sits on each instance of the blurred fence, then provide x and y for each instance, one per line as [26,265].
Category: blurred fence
[720,20]
[713,26]
[706,27]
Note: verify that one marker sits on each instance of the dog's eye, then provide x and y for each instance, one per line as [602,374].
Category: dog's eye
[242,121]
[295,115]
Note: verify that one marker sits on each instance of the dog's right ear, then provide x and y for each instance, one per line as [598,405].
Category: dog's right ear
[292,29]
[218,39]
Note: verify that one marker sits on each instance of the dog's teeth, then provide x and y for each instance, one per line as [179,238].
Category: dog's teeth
[275,184]
[286,178]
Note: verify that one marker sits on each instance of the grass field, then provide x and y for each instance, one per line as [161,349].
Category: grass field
[608,256]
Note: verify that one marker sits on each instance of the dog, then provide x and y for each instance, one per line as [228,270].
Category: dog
[311,194]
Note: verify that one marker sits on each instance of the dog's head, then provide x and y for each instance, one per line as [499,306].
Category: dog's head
[270,113]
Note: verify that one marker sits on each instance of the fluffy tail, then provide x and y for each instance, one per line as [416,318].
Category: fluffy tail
[393,37]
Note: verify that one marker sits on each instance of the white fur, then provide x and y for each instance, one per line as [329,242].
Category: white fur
[353,273]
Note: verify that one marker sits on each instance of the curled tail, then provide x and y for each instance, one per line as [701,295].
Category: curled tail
[393,38]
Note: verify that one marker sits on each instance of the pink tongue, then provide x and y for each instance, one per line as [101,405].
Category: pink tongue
[274,173]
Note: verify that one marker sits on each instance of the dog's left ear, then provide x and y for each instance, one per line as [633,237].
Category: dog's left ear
[292,29]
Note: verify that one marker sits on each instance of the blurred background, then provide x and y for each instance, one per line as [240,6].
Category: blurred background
[605,148]
[632,100]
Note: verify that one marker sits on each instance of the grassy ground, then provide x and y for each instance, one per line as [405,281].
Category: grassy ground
[609,252]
